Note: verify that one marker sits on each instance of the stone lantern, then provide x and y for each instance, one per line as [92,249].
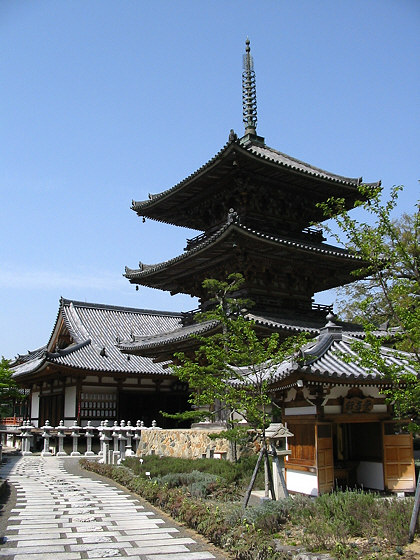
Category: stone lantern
[277,435]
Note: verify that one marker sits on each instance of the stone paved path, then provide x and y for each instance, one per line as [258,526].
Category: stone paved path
[62,516]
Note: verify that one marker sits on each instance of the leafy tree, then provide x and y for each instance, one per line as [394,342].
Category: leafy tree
[9,391]
[230,372]
[389,252]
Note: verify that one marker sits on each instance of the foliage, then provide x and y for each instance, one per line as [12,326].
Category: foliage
[230,372]
[9,390]
[234,474]
[389,292]
[350,525]
[197,484]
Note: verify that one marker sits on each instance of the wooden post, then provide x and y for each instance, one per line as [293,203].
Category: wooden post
[270,474]
[415,513]
[254,476]
[282,491]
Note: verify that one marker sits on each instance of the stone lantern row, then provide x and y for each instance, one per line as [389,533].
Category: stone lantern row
[117,441]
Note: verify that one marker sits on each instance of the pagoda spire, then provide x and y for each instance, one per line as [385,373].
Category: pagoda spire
[249,93]
[249,99]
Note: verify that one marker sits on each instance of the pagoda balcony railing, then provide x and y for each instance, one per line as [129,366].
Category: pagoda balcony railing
[322,308]
[312,234]
[195,241]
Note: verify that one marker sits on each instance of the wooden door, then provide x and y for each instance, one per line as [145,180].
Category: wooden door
[399,471]
[324,458]
[51,407]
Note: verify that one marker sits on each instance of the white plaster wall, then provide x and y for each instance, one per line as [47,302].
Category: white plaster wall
[298,410]
[302,482]
[371,475]
[35,407]
[380,408]
[70,402]
[291,394]
[341,391]
[333,409]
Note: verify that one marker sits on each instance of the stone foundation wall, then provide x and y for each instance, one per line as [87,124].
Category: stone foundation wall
[186,444]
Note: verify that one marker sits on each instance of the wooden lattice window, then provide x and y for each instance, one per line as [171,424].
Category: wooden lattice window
[98,405]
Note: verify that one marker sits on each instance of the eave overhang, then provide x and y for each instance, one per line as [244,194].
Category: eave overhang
[261,161]
[220,246]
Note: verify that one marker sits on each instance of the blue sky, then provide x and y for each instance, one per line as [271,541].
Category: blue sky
[105,101]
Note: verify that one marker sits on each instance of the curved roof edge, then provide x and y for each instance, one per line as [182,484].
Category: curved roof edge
[330,250]
[264,153]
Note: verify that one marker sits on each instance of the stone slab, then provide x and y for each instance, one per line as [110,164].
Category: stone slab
[45,549]
[49,556]
[170,549]
[182,556]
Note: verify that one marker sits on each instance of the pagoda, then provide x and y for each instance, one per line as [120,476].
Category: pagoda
[254,207]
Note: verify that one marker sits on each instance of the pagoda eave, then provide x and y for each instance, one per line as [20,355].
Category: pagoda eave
[280,172]
[237,248]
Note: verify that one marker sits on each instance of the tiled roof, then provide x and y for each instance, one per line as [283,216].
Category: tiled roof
[290,162]
[291,324]
[159,340]
[331,355]
[96,329]
[234,224]
[261,152]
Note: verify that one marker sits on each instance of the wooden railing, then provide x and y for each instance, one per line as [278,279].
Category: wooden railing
[11,421]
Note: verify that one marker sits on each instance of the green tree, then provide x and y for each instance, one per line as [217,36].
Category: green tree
[389,292]
[230,372]
[9,391]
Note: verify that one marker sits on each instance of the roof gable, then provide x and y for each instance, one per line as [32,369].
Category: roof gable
[85,337]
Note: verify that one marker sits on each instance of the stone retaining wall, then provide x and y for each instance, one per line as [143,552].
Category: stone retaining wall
[186,444]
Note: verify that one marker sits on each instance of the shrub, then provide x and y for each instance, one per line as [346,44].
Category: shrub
[395,516]
[233,473]
[350,524]
[269,517]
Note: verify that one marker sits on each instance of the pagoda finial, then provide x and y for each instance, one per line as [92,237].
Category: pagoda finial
[249,94]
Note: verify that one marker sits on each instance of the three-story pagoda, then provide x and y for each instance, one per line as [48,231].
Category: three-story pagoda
[254,206]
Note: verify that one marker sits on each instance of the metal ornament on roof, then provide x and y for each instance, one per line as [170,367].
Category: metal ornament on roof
[249,93]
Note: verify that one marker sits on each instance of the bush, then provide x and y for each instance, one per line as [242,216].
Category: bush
[269,517]
[353,525]
[233,473]
[199,484]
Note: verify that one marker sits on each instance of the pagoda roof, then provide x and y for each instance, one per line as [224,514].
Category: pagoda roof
[266,162]
[218,246]
[184,337]
[92,332]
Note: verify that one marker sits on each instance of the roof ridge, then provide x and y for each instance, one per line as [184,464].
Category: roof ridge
[104,306]
[353,180]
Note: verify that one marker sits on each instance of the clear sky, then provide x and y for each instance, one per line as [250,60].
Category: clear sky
[104,101]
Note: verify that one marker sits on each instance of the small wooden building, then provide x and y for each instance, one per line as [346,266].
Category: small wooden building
[344,432]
